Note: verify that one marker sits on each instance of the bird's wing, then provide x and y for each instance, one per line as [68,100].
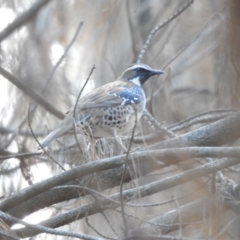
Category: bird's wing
[105,96]
[102,97]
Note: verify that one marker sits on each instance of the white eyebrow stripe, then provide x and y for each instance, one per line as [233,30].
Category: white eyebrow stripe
[139,66]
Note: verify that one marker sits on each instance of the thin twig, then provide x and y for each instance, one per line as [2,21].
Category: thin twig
[158,27]
[208,116]
[23,18]
[94,192]
[43,91]
[95,230]
[124,174]
[191,42]
[19,155]
[184,49]
[6,131]
[31,93]
[76,105]
[40,145]
[157,125]
[201,118]
[64,54]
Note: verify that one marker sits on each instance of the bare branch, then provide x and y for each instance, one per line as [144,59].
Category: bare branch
[23,18]
[222,132]
[40,228]
[76,104]
[145,190]
[158,27]
[117,161]
[31,93]
[6,131]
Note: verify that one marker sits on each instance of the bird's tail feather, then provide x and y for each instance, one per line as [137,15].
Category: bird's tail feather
[61,130]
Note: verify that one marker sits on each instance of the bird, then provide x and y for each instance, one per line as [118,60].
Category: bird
[110,110]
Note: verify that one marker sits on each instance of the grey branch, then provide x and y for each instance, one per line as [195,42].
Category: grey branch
[31,93]
[140,158]
[145,190]
[23,18]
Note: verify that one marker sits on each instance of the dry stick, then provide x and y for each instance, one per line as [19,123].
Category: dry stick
[30,127]
[101,212]
[19,155]
[8,217]
[146,190]
[58,63]
[200,118]
[48,82]
[6,145]
[65,53]
[223,229]
[153,237]
[76,104]
[190,43]
[209,116]
[124,174]
[168,222]
[156,224]
[184,49]
[166,202]
[158,27]
[95,230]
[23,210]
[94,192]
[6,131]
[31,93]
[112,162]
[143,51]
[23,18]
[209,135]
[131,28]
[157,125]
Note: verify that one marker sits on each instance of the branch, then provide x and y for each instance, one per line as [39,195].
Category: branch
[169,221]
[31,93]
[43,229]
[23,18]
[224,131]
[145,190]
[143,159]
[6,131]
[205,117]
[160,26]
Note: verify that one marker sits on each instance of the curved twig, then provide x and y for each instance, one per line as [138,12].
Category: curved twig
[161,25]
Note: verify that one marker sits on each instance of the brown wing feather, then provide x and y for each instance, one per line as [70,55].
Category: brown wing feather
[103,96]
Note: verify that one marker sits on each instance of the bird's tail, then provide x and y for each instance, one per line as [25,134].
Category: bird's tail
[58,132]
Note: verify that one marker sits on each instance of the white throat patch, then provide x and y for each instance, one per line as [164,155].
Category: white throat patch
[136,81]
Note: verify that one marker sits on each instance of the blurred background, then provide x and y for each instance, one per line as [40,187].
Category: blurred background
[198,50]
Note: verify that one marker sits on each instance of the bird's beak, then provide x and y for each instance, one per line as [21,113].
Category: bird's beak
[157,72]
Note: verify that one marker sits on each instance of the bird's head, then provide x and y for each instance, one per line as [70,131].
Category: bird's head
[139,73]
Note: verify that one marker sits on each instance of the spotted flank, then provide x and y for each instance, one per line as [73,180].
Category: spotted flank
[108,120]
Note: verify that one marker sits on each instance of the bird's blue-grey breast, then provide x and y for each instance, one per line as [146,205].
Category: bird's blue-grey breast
[111,109]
